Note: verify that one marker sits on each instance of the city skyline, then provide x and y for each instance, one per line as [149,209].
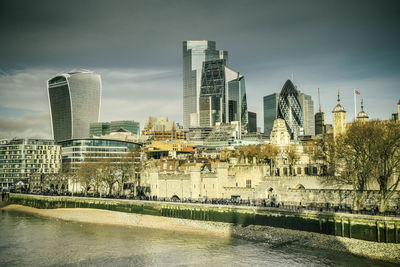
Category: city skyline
[331,46]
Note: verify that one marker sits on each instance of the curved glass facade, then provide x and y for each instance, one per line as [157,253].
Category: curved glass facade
[75,103]
[289,109]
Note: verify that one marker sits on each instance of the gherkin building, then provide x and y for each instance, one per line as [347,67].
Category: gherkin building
[289,109]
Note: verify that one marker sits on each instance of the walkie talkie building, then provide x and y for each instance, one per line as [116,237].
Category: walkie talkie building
[289,109]
[74,100]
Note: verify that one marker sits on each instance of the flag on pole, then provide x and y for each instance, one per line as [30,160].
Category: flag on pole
[355,107]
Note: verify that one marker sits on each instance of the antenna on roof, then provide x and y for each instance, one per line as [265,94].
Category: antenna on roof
[319,101]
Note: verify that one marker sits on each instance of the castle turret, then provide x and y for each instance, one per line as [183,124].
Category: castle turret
[339,119]
[362,116]
[398,111]
[195,183]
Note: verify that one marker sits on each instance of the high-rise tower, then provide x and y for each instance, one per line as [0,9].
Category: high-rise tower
[319,123]
[290,109]
[270,111]
[74,100]
[194,54]
[222,95]
[307,105]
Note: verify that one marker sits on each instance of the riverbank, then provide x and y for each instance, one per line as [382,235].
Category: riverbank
[276,237]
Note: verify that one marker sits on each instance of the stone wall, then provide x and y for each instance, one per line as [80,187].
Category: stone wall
[251,182]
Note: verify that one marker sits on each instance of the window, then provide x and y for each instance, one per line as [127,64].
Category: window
[248,183]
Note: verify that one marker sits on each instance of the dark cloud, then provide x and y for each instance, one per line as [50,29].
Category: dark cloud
[28,126]
[137,48]
[149,33]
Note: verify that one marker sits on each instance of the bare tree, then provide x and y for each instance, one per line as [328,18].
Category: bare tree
[292,155]
[386,147]
[355,157]
[128,168]
[325,153]
[108,173]
[87,174]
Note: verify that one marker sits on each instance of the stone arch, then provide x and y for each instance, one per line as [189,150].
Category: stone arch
[269,192]
[299,186]
[175,198]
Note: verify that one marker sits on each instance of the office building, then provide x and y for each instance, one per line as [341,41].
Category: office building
[198,134]
[20,158]
[237,105]
[307,105]
[174,145]
[319,123]
[252,122]
[75,151]
[105,128]
[289,109]
[270,103]
[161,129]
[194,54]
[222,96]
[74,100]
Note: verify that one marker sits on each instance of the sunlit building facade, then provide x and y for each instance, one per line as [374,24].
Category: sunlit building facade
[307,105]
[194,54]
[20,158]
[74,100]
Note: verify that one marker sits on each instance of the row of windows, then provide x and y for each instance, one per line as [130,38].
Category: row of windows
[23,166]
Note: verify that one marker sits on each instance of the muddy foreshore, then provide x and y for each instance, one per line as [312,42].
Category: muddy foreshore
[276,237]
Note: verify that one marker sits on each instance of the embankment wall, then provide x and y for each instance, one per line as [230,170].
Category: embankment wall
[364,227]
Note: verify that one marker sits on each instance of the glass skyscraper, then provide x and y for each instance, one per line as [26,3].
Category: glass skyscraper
[194,54]
[222,95]
[237,110]
[74,100]
[270,111]
[289,109]
[252,116]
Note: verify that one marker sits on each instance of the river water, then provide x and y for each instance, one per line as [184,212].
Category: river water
[28,240]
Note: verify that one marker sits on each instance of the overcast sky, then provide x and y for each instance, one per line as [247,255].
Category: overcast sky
[136,46]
